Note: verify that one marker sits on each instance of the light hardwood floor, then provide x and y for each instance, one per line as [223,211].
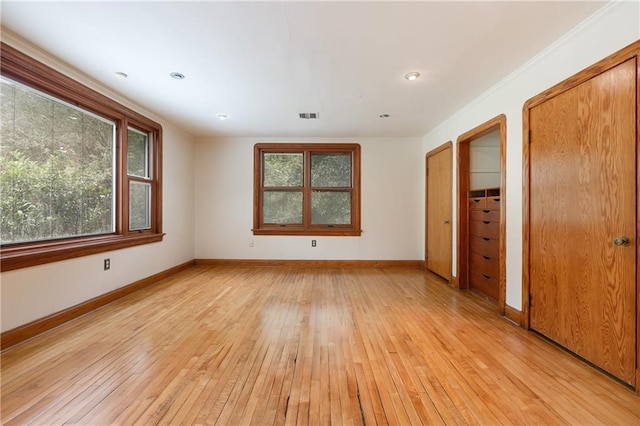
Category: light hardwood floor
[235,346]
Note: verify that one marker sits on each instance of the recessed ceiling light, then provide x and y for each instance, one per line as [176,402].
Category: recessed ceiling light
[412,76]
[222,116]
[177,75]
[121,74]
[384,116]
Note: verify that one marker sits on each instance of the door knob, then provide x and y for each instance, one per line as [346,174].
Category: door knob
[621,241]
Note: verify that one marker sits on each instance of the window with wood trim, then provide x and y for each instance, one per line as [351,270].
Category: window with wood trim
[80,174]
[306,189]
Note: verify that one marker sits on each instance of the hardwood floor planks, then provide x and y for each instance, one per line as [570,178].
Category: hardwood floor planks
[296,346]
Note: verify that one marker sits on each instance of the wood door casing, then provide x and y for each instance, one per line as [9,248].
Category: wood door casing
[582,195]
[439,165]
[497,123]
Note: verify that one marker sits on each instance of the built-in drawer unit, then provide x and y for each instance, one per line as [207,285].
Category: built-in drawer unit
[484,241]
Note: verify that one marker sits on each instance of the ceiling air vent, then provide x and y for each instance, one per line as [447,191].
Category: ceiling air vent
[309,115]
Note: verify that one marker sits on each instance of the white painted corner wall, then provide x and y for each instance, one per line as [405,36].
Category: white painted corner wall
[611,29]
[392,172]
[33,293]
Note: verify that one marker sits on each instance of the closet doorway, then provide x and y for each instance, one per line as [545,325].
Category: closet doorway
[481,210]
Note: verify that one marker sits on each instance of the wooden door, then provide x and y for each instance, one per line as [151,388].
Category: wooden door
[439,196]
[582,196]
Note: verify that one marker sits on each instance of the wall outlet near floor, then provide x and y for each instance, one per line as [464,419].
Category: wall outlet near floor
[107,264]
[251,242]
[313,243]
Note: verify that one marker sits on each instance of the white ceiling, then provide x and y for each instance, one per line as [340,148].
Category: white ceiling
[264,62]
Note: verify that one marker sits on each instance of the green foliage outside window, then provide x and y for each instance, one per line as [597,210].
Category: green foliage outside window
[306,189]
[283,170]
[329,172]
[137,153]
[282,207]
[56,168]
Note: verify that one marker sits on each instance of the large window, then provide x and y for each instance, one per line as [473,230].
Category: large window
[307,189]
[79,173]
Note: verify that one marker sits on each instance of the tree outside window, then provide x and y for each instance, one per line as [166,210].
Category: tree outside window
[307,189]
[79,173]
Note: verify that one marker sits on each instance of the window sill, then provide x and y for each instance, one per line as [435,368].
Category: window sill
[310,232]
[24,256]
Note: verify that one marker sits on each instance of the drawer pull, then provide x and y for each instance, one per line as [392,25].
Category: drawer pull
[486,211]
[486,277]
[486,222]
[486,258]
[486,238]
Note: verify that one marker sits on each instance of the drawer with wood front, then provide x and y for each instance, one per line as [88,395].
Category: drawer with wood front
[479,203]
[484,228]
[484,246]
[485,265]
[484,283]
[493,203]
[485,215]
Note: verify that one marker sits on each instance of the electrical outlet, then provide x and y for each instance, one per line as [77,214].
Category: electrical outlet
[313,243]
[251,242]
[107,264]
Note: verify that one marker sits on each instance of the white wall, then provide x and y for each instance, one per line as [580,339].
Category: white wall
[612,28]
[32,293]
[392,172]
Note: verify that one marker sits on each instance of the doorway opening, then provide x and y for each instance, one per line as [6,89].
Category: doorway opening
[481,243]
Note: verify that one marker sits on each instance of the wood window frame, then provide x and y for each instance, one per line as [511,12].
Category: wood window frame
[306,228]
[25,70]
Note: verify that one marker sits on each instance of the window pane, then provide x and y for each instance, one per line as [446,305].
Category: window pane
[139,205]
[330,208]
[56,168]
[282,207]
[137,153]
[331,170]
[283,170]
